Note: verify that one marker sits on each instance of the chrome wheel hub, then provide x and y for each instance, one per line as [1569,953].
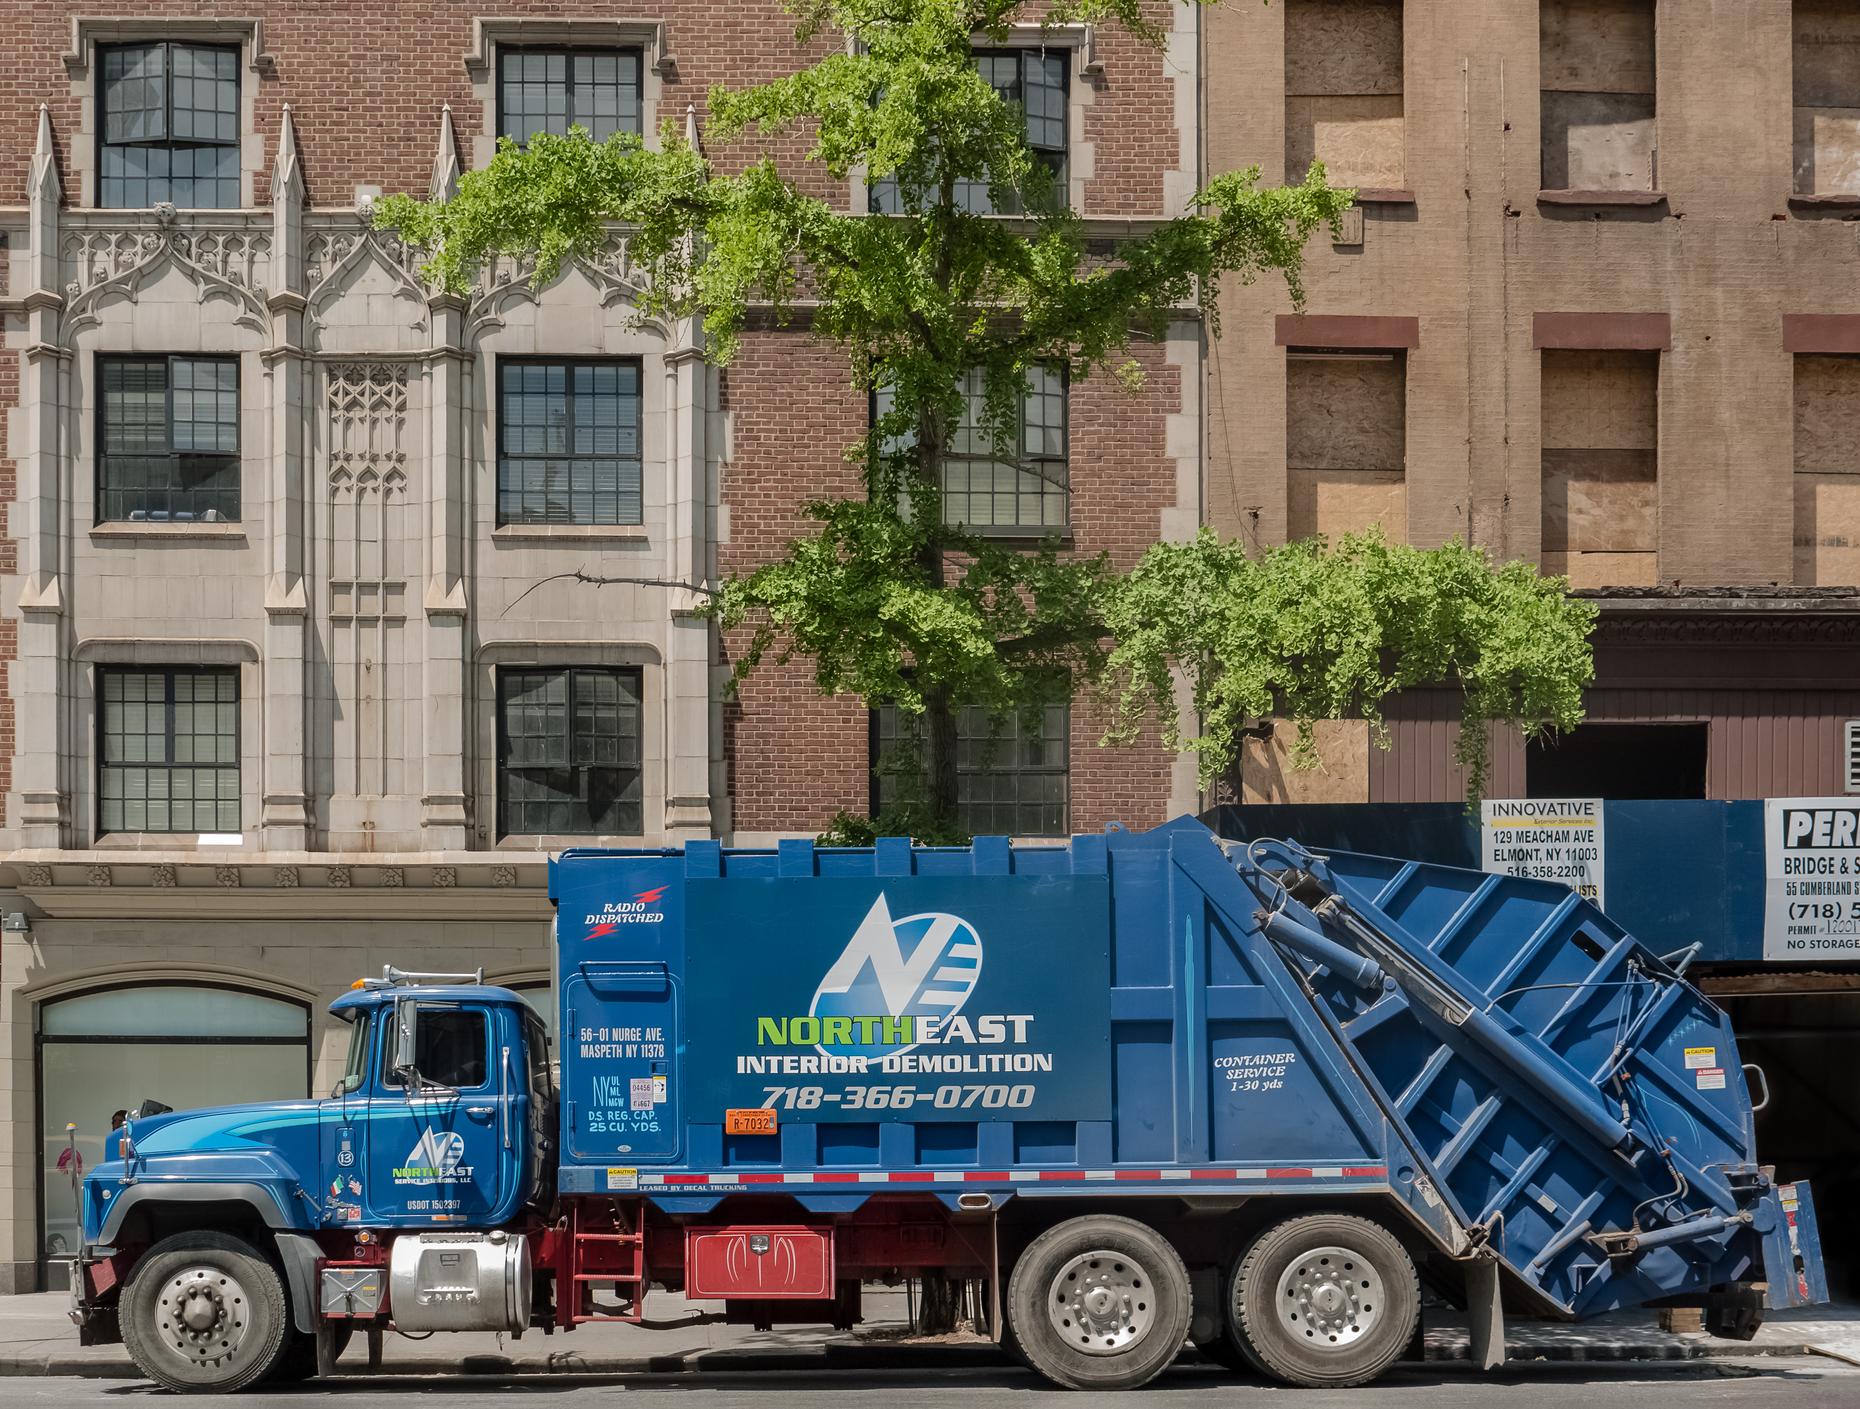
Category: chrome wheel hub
[203,1316]
[1329,1297]
[1101,1303]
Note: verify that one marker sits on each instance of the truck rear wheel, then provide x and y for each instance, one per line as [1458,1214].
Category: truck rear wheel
[1099,1303]
[1322,1301]
[204,1313]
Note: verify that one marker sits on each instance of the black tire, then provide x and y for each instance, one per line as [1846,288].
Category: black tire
[177,1285]
[1329,1334]
[1141,1290]
[298,1363]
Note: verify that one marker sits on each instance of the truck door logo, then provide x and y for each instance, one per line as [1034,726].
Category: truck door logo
[895,973]
[436,1159]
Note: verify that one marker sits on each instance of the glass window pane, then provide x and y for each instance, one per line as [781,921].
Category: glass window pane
[169,749]
[570,449]
[173,1011]
[553,90]
[569,752]
[84,1084]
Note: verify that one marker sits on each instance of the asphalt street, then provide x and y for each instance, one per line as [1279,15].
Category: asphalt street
[1799,1383]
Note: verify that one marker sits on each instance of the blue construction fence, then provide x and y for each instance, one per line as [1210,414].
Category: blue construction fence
[1674,873]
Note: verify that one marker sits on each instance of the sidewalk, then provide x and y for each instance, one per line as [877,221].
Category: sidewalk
[36,1338]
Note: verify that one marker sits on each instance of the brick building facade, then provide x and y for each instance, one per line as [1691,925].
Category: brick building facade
[298,677]
[1596,309]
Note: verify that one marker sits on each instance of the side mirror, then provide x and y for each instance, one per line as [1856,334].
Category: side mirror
[406,1031]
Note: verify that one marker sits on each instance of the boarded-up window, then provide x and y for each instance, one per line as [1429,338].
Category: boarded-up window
[1601,512]
[1345,443]
[1597,77]
[1827,471]
[1827,97]
[1343,101]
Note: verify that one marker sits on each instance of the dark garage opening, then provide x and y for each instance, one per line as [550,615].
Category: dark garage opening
[1621,761]
[1808,1044]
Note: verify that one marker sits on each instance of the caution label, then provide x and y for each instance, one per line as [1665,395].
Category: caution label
[1701,1057]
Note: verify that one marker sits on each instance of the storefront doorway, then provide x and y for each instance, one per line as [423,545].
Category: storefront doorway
[183,1045]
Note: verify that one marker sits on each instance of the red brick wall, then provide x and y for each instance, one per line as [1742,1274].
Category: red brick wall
[796,759]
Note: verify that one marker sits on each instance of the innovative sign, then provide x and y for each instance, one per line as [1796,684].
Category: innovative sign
[971,998]
[1811,891]
[1547,839]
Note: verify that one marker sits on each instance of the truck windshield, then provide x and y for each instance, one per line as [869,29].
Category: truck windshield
[357,1065]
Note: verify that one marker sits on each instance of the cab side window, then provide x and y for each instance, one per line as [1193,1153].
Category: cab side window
[450,1049]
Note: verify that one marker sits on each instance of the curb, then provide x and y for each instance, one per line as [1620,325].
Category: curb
[877,1357]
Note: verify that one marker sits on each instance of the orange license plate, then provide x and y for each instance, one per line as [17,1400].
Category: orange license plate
[757,1122]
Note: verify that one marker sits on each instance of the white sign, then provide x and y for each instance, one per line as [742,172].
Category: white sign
[1811,890]
[1548,839]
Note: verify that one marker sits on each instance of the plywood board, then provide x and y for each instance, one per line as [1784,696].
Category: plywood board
[1827,414]
[1598,141]
[1604,501]
[1342,775]
[1600,400]
[1343,47]
[1603,569]
[1596,46]
[1827,151]
[1344,413]
[1827,530]
[1336,502]
[1360,140]
[1826,53]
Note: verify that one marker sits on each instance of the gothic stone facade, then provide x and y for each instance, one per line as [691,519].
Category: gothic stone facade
[264,725]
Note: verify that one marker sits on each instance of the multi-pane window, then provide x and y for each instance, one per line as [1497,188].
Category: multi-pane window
[552,90]
[568,443]
[168,439]
[1015,487]
[168,750]
[568,752]
[169,126]
[1011,774]
[1034,80]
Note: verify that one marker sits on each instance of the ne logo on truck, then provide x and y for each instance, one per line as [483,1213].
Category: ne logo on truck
[436,1159]
[894,980]
[924,997]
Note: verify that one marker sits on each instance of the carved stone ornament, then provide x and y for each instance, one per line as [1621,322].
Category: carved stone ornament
[287,878]
[115,260]
[506,279]
[340,877]
[393,877]
[445,877]
[503,876]
[38,875]
[227,876]
[99,875]
[165,878]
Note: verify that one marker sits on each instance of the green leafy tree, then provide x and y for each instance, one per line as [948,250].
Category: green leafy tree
[890,602]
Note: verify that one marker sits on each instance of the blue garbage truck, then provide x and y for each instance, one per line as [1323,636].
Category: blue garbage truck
[1133,1092]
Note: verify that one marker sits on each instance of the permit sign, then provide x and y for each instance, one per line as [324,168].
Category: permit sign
[1811,890]
[1545,839]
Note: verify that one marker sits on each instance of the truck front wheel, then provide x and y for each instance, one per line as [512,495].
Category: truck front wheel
[204,1313]
[1099,1303]
[1324,1301]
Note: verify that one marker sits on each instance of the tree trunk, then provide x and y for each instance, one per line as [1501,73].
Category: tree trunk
[940,747]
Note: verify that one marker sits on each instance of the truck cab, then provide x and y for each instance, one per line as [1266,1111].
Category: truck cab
[443,1119]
